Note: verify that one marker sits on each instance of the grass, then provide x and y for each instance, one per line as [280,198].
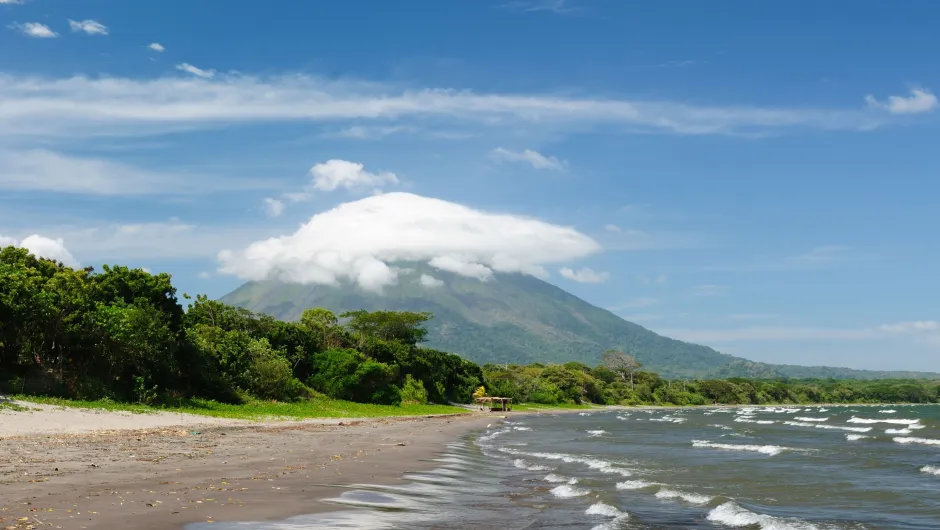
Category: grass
[6,405]
[259,410]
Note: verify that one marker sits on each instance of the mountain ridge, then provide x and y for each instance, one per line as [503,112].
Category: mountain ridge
[518,318]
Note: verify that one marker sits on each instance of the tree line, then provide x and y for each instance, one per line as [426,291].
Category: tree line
[123,334]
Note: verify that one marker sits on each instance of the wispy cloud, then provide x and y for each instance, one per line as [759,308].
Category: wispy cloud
[612,228]
[370,132]
[13,1]
[658,280]
[559,7]
[709,290]
[820,257]
[273,207]
[584,275]
[35,30]
[157,47]
[534,158]
[49,171]
[89,27]
[198,72]
[84,105]
[675,64]
[919,101]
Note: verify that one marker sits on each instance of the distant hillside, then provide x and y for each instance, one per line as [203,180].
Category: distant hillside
[755,370]
[512,318]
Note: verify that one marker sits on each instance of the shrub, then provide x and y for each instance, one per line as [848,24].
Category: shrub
[413,392]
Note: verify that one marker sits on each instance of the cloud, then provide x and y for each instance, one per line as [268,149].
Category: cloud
[558,7]
[66,107]
[357,241]
[37,30]
[536,159]
[636,303]
[920,326]
[366,132]
[920,100]
[273,207]
[334,174]
[204,275]
[90,27]
[430,281]
[584,275]
[44,247]
[816,258]
[13,1]
[198,72]
[43,170]
[157,47]
[709,290]
[661,279]
[612,228]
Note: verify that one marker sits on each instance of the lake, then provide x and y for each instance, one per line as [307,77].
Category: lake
[788,467]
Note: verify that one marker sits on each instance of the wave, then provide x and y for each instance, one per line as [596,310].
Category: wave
[730,514]
[888,411]
[898,431]
[600,508]
[691,498]
[909,440]
[635,485]
[522,464]
[799,423]
[854,437]
[722,427]
[601,465]
[566,492]
[916,426]
[931,470]
[551,477]
[599,432]
[743,419]
[843,428]
[764,449]
[523,428]
[805,418]
[854,419]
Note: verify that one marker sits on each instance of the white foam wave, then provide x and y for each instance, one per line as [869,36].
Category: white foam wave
[888,411]
[598,432]
[584,414]
[898,431]
[566,492]
[523,428]
[916,426]
[843,428]
[593,463]
[931,470]
[722,427]
[600,508]
[730,514]
[799,423]
[855,437]
[764,449]
[854,419]
[691,498]
[910,440]
[806,418]
[748,419]
[522,464]
[634,485]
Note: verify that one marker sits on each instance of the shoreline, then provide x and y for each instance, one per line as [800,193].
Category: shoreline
[171,477]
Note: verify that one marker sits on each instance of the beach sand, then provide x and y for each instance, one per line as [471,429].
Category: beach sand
[77,469]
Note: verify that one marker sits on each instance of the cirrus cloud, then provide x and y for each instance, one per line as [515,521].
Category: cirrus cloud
[534,158]
[584,275]
[357,241]
[90,27]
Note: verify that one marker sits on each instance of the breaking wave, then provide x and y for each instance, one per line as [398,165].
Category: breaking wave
[730,514]
[691,498]
[931,470]
[764,449]
[910,440]
[566,492]
[854,419]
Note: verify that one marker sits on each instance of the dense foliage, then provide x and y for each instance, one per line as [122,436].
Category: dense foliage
[579,383]
[122,334]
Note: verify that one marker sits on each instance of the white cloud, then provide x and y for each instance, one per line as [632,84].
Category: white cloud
[204,275]
[920,326]
[114,105]
[12,1]
[536,159]
[559,7]
[919,101]
[42,170]
[709,290]
[44,247]
[584,275]
[157,47]
[367,132]
[636,303]
[612,228]
[818,256]
[333,174]
[661,279]
[37,30]
[357,240]
[273,207]
[91,27]
[198,72]
[430,281]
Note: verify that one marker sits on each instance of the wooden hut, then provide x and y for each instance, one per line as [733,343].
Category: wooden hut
[495,404]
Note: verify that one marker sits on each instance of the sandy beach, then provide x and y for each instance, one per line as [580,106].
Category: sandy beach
[74,469]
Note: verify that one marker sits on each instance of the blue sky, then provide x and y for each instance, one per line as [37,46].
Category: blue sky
[755,176]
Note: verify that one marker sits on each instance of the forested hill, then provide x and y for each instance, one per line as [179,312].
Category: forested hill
[517,318]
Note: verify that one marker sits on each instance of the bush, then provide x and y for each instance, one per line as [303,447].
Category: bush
[348,374]
[413,393]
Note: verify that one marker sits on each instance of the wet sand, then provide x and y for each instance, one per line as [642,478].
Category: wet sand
[168,476]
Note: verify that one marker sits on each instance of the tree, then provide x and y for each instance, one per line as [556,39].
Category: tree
[621,363]
[405,327]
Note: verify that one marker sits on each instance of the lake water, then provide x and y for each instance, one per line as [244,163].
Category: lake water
[805,468]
